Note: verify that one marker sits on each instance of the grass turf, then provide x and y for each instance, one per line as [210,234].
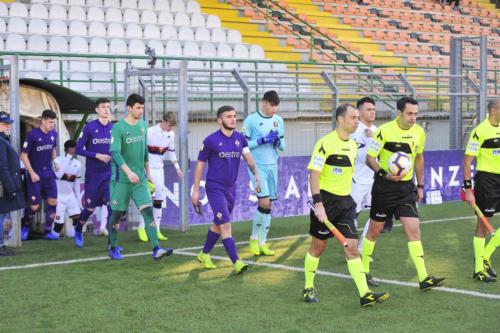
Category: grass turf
[176,295]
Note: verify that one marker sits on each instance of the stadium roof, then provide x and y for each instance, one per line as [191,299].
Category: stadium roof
[69,100]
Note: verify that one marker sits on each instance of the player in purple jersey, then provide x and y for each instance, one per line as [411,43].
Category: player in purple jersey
[93,144]
[222,150]
[38,152]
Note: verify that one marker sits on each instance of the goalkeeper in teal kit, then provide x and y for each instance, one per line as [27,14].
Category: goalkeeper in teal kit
[265,133]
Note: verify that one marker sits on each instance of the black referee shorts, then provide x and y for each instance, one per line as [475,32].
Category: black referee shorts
[341,211]
[388,198]
[487,192]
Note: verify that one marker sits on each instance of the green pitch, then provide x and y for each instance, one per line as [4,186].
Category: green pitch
[176,295]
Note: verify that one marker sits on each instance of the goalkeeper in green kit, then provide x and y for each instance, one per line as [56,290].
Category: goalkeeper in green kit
[129,171]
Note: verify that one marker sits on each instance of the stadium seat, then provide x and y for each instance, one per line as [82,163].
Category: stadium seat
[168,32]
[4,11]
[38,11]
[115,30]
[162,5]
[15,42]
[129,3]
[58,27]
[76,2]
[202,34]
[224,51]
[146,4]
[118,47]
[78,45]
[77,28]
[101,82]
[208,50]
[185,33]
[32,75]
[97,29]
[82,85]
[37,26]
[95,14]
[17,25]
[218,35]
[192,7]
[131,16]
[3,27]
[137,47]
[151,31]
[256,52]
[213,21]
[240,51]
[198,20]
[76,13]
[233,36]
[173,49]
[149,17]
[94,3]
[165,18]
[177,6]
[191,50]
[98,46]
[133,30]
[58,2]
[112,3]
[55,77]
[36,43]
[113,15]
[157,46]
[18,9]
[58,12]
[57,44]
[182,19]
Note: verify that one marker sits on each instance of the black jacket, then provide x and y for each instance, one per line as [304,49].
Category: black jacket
[10,177]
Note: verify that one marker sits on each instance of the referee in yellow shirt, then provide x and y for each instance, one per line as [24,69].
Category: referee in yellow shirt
[484,145]
[331,169]
[398,195]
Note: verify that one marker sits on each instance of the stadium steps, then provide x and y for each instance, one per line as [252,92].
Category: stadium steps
[486,4]
[356,42]
[250,31]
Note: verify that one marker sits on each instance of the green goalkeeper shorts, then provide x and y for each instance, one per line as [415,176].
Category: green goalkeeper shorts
[122,192]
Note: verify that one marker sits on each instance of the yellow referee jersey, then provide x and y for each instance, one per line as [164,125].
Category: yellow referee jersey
[484,143]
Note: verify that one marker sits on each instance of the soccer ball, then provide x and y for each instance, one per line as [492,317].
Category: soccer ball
[399,163]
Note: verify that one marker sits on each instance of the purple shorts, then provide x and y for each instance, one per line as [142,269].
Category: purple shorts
[221,201]
[44,188]
[96,191]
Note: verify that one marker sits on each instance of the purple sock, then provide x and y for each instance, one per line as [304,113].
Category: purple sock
[230,248]
[85,214]
[50,215]
[28,217]
[212,238]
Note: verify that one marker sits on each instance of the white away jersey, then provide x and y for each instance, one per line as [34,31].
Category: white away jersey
[70,171]
[159,143]
[362,173]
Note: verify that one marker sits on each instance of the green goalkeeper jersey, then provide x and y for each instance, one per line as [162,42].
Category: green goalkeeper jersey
[128,145]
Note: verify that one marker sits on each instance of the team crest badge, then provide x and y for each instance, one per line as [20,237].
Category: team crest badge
[202,146]
[115,202]
[220,143]
[88,200]
[39,139]
[219,215]
[33,198]
[97,131]
[275,123]
[237,143]
[52,138]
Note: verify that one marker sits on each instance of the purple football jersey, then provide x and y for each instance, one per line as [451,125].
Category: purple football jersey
[95,139]
[223,155]
[39,146]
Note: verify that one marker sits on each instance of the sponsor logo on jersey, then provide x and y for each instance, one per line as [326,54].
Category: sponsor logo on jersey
[101,141]
[473,146]
[346,149]
[496,152]
[44,147]
[407,137]
[323,232]
[337,171]
[375,146]
[318,162]
[134,139]
[229,154]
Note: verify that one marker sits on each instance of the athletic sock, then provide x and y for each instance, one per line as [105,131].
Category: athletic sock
[264,230]
[112,232]
[363,235]
[230,247]
[310,266]
[417,255]
[147,214]
[212,238]
[478,253]
[28,217]
[157,217]
[50,215]
[492,245]
[368,247]
[256,224]
[105,216]
[58,227]
[356,270]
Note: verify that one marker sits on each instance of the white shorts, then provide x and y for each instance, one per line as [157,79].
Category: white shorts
[66,203]
[158,176]
[362,195]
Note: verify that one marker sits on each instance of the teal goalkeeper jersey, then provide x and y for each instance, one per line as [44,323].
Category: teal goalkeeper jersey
[258,126]
[129,141]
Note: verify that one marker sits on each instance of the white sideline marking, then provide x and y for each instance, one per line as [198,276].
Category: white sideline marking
[183,251]
[348,277]
[76,261]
